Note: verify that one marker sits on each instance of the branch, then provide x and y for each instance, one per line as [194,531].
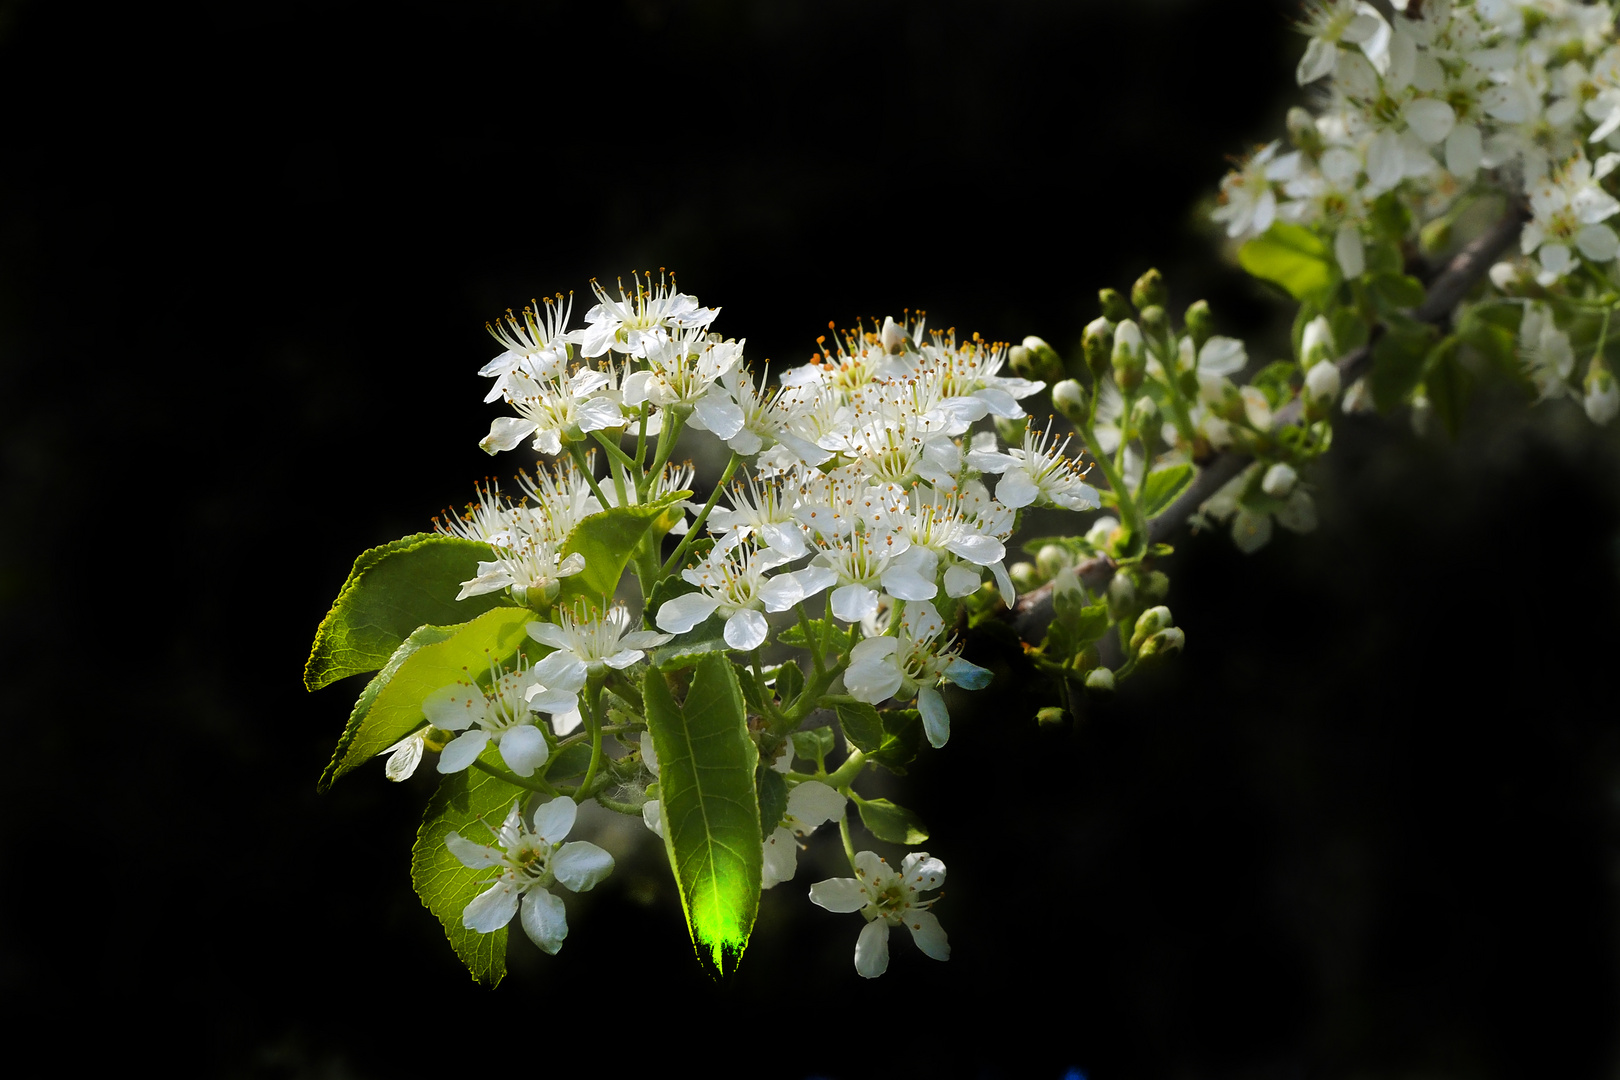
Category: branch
[1033,611]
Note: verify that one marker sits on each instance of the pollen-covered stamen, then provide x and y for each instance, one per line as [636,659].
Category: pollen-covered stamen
[488,521]
[537,333]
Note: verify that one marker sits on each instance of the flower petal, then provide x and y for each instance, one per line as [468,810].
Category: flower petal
[581,865]
[928,934]
[872,949]
[492,909]
[545,920]
[554,820]
[843,894]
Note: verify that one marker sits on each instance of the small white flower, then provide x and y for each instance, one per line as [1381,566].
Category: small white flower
[585,642]
[536,347]
[913,662]
[502,715]
[1039,472]
[810,805]
[634,324]
[528,861]
[888,899]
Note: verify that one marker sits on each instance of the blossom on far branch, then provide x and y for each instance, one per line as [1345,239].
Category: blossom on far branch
[810,805]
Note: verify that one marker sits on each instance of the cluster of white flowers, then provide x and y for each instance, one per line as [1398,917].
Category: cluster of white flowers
[1427,101]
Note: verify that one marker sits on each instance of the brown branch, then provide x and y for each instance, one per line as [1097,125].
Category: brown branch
[1033,611]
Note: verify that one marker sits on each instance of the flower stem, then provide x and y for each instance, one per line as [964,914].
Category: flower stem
[696,528]
[584,464]
[667,435]
[1128,508]
[849,845]
[592,700]
[536,784]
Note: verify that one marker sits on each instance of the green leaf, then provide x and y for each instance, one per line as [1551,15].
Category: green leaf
[838,640]
[391,591]
[684,650]
[710,806]
[1396,292]
[1349,330]
[1447,384]
[1398,364]
[424,635]
[789,682]
[1162,487]
[773,795]
[861,724]
[814,744]
[1274,381]
[1294,258]
[886,821]
[889,738]
[464,802]
[395,710]
[607,540]
[572,760]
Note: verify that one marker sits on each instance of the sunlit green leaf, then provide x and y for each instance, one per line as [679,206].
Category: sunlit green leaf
[710,806]
[395,710]
[1162,487]
[1294,258]
[470,803]
[886,821]
[607,540]
[391,591]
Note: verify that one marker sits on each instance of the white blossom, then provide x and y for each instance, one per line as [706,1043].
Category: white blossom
[886,899]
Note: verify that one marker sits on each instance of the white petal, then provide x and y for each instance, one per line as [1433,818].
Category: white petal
[547,633]
[1317,61]
[814,803]
[493,909]
[680,613]
[746,629]
[872,680]
[936,721]
[872,950]
[505,433]
[1598,243]
[960,581]
[462,751]
[1222,356]
[554,820]
[1431,119]
[838,894]
[1347,248]
[407,755]
[852,603]
[564,722]
[1016,490]
[652,816]
[906,584]
[781,853]
[545,920]
[719,414]
[581,865]
[454,707]
[524,749]
[1464,151]
[477,856]
[928,934]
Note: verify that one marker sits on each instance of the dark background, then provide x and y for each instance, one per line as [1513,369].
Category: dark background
[1365,827]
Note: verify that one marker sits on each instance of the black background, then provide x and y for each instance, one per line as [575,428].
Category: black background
[1365,827]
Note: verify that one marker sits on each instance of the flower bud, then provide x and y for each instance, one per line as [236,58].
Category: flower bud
[1507,279]
[1256,409]
[1156,585]
[1011,429]
[1024,576]
[1150,622]
[1316,344]
[1602,399]
[1279,480]
[1155,323]
[1129,359]
[1100,682]
[1052,558]
[1022,363]
[1149,291]
[1069,398]
[1102,531]
[1051,716]
[1114,306]
[894,336]
[1200,323]
[1045,362]
[1303,132]
[1121,597]
[1098,343]
[1166,643]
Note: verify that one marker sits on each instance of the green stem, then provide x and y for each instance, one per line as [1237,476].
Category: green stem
[584,464]
[592,700]
[809,639]
[845,774]
[612,447]
[696,528]
[641,440]
[1128,508]
[849,845]
[535,784]
[667,435]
